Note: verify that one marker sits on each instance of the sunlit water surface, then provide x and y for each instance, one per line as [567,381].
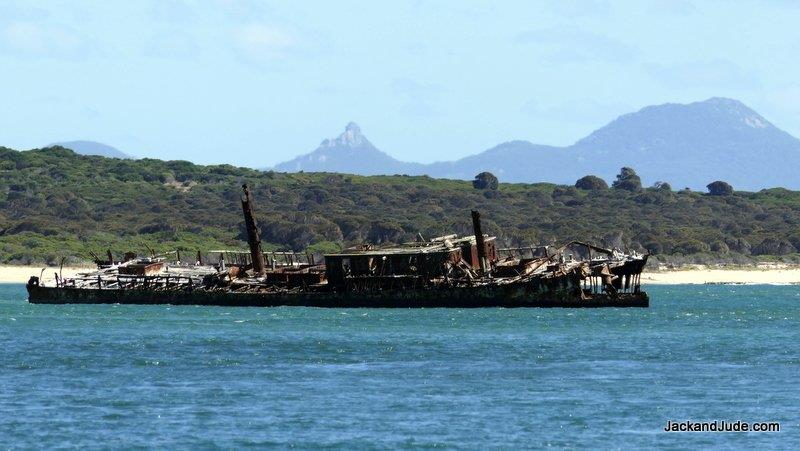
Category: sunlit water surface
[161,376]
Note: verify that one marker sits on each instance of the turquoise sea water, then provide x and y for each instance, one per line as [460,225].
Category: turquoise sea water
[197,377]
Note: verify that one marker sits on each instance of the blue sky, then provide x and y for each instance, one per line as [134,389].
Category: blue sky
[256,83]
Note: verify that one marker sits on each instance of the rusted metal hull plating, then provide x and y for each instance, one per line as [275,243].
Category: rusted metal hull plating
[507,295]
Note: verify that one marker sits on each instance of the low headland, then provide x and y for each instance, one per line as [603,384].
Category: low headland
[59,207]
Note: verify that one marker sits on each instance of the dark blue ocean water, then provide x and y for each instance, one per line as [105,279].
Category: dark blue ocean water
[160,376]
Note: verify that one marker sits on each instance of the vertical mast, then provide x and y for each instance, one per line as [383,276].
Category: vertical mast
[479,243]
[253,234]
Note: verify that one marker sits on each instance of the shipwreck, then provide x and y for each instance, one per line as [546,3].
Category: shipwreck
[446,271]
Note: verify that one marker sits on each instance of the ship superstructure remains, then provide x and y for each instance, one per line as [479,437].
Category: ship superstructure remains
[447,271]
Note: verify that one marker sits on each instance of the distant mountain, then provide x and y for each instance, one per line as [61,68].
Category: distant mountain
[92,148]
[692,145]
[513,161]
[687,145]
[351,152]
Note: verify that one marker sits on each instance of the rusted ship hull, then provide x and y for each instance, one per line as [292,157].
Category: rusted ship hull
[443,272]
[508,296]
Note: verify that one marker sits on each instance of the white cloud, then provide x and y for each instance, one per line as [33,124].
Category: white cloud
[263,42]
[785,101]
[586,110]
[676,7]
[172,11]
[413,88]
[575,45]
[573,8]
[186,11]
[244,10]
[418,99]
[31,40]
[786,98]
[717,74]
[172,44]
[21,10]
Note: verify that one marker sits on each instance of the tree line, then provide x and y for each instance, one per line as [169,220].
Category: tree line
[54,204]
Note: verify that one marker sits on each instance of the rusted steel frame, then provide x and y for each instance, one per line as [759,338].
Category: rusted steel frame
[253,235]
[479,242]
[587,245]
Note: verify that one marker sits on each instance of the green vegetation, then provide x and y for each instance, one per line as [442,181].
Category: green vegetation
[627,179]
[591,183]
[662,186]
[56,204]
[485,180]
[719,188]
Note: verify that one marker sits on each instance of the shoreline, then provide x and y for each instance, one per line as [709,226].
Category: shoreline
[767,274]
[21,273]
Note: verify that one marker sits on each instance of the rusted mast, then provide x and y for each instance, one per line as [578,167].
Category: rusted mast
[479,243]
[253,234]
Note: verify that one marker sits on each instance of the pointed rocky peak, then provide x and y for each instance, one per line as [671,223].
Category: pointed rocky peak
[351,153]
[353,127]
[351,137]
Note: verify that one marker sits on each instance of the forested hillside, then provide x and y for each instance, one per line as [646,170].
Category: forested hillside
[55,203]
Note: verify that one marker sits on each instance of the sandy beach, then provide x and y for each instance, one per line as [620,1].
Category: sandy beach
[762,274]
[21,274]
[774,274]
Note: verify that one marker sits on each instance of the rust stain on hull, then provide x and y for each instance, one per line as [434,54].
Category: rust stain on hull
[508,297]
